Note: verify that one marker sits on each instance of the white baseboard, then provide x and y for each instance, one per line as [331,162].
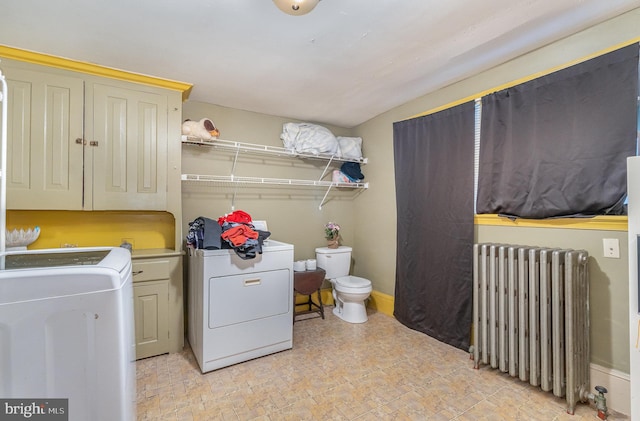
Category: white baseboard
[618,387]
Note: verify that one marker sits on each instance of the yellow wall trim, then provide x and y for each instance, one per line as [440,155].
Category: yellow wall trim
[94,69]
[602,222]
[378,301]
[525,79]
[382,303]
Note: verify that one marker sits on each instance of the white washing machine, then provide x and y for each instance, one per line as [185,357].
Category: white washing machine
[67,331]
[240,309]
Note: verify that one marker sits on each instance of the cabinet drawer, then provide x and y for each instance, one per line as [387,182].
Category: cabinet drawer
[151,270]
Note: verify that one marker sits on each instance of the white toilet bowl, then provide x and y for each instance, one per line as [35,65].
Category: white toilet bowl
[349,294]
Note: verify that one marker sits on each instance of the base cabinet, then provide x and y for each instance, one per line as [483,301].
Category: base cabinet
[158,309]
[151,300]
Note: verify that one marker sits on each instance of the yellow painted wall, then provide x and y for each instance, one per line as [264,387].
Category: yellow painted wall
[106,228]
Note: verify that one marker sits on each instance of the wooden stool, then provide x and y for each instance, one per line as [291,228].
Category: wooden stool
[306,283]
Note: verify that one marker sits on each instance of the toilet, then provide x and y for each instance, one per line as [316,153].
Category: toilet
[349,292]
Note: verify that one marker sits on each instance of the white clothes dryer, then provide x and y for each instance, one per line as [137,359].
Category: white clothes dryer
[240,309]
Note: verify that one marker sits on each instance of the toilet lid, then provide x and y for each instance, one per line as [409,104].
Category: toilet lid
[353,282]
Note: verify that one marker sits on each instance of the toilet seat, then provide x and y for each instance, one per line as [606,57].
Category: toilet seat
[352,284]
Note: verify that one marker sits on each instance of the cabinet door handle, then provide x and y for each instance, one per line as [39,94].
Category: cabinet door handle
[81,141]
[93,143]
[252,282]
[137,272]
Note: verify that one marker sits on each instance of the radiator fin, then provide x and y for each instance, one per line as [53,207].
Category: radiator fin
[531,316]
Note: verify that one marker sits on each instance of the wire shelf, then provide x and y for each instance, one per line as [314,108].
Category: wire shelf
[230,179]
[230,145]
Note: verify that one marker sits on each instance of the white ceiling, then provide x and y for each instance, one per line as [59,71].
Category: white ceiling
[344,63]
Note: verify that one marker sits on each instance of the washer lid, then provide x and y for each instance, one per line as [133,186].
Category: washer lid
[353,282]
[55,258]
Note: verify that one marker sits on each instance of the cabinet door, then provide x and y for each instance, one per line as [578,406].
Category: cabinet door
[163,269]
[151,300]
[44,165]
[129,157]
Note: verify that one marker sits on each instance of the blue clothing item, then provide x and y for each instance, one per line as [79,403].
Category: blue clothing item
[352,170]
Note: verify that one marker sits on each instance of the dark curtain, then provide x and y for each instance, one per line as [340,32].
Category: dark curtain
[433,158]
[557,145]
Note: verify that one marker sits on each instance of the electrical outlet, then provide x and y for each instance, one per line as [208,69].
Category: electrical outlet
[611,248]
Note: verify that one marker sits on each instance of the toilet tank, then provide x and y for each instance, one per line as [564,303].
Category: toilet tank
[336,262]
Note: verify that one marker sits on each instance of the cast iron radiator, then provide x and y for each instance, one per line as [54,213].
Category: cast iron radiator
[531,316]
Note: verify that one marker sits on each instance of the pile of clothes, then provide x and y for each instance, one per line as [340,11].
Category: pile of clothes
[349,172]
[231,231]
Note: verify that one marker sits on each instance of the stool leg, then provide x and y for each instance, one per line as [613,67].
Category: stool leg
[320,301]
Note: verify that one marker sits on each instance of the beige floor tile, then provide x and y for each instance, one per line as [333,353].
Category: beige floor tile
[379,370]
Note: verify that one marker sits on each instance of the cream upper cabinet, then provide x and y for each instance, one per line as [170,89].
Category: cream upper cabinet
[81,142]
[45,117]
[126,155]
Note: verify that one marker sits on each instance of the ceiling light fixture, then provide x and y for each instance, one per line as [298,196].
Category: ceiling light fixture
[296,7]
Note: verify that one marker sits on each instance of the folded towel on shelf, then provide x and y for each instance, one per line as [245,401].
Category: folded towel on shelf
[309,138]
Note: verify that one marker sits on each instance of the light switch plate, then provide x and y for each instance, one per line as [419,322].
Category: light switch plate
[611,248]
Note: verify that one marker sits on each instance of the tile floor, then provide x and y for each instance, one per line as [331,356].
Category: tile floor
[379,370]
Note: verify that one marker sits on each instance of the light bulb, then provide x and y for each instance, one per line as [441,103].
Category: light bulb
[296,7]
